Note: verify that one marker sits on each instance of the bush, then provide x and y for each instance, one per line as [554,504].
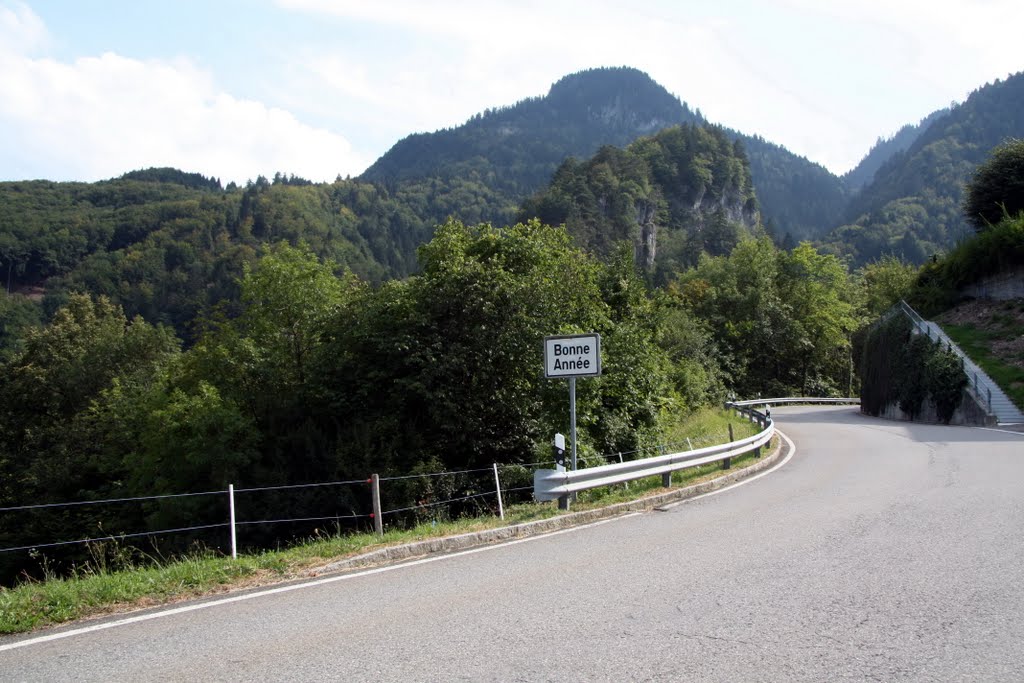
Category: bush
[900,367]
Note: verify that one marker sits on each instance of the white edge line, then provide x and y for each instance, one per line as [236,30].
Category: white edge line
[292,587]
[1001,431]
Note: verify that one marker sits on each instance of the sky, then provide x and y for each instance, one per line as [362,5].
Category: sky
[233,89]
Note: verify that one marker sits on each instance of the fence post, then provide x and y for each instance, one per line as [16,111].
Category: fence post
[497,484]
[620,462]
[231,515]
[378,520]
[727,463]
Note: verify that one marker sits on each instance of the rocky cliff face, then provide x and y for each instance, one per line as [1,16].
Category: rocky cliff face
[673,195]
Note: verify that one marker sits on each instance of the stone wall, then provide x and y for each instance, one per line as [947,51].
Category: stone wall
[969,413]
[1001,287]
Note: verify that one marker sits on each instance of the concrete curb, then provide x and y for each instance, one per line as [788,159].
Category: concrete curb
[448,544]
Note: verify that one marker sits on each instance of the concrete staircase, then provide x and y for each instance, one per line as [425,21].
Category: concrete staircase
[987,392]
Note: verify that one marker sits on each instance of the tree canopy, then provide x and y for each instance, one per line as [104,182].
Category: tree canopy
[997,188]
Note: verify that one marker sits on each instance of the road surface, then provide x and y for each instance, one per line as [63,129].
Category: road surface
[880,551]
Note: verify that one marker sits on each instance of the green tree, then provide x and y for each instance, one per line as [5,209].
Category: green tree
[884,282]
[446,366]
[817,292]
[781,320]
[259,364]
[997,187]
[47,387]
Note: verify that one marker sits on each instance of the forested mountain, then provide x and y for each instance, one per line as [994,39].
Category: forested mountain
[170,246]
[912,208]
[673,195]
[799,200]
[885,148]
[485,168]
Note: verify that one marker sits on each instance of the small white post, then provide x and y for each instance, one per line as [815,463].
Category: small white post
[231,512]
[689,443]
[497,484]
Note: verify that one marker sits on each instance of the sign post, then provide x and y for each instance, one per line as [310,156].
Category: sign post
[572,356]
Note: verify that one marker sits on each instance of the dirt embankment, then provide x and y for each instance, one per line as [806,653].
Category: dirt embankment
[1000,322]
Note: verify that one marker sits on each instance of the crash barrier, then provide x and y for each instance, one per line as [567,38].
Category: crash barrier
[561,484]
[794,400]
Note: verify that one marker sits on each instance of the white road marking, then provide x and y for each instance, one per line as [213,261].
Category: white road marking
[286,589]
[789,456]
[1001,431]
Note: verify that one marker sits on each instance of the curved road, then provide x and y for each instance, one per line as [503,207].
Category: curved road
[881,551]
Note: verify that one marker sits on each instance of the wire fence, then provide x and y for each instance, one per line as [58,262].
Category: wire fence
[213,518]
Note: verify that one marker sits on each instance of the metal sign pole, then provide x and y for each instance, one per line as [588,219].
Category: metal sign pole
[572,419]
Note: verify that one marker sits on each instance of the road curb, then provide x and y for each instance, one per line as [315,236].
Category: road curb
[449,544]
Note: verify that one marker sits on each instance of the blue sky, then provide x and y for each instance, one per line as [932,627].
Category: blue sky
[90,89]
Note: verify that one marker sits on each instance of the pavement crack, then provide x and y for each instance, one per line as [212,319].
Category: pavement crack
[707,636]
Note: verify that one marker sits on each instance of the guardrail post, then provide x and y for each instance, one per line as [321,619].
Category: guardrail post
[231,515]
[666,479]
[378,519]
[626,485]
[727,463]
[497,485]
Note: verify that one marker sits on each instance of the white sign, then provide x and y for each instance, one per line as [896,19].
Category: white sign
[577,355]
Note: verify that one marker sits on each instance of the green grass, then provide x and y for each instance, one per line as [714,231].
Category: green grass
[977,344]
[99,589]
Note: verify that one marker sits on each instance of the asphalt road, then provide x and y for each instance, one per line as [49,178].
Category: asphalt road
[880,551]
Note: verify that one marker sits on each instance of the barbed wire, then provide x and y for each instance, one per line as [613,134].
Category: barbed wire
[303,486]
[114,538]
[521,488]
[109,500]
[301,519]
[435,474]
[423,506]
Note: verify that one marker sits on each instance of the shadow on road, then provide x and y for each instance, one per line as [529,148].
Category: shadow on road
[916,431]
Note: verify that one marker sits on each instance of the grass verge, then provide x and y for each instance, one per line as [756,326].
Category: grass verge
[977,343]
[101,591]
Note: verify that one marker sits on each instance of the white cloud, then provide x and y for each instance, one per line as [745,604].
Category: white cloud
[99,117]
[21,31]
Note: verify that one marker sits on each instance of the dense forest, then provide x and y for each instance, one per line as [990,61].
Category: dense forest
[170,246]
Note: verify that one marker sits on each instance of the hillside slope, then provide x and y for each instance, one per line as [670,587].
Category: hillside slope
[912,208]
[170,246]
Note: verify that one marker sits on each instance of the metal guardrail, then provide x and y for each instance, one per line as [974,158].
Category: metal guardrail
[561,483]
[794,399]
